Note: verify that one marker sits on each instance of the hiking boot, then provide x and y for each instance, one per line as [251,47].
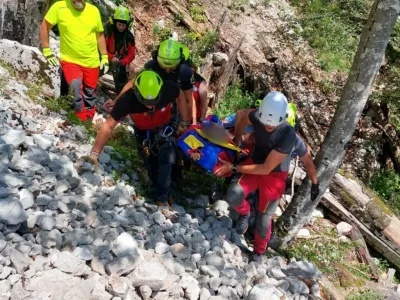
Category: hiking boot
[257,258]
[242,224]
[165,209]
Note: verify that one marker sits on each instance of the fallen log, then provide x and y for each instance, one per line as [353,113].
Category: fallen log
[351,201]
[180,12]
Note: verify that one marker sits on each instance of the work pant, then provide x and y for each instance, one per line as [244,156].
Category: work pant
[158,164]
[82,85]
[271,188]
[120,75]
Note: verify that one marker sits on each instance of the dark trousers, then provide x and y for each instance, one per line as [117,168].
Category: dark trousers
[120,75]
[159,163]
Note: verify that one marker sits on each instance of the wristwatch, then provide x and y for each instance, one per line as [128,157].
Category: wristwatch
[234,168]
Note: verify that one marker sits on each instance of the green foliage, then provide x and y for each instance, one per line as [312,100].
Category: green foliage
[364,295]
[159,34]
[235,98]
[197,11]
[386,185]
[238,4]
[333,29]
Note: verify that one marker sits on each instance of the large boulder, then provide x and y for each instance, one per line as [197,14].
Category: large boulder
[31,62]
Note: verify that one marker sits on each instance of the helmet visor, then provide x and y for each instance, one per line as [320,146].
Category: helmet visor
[168,63]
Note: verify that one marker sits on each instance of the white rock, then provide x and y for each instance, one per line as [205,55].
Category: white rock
[162,248]
[151,274]
[145,291]
[26,198]
[303,233]
[262,292]
[117,286]
[125,244]
[11,211]
[343,228]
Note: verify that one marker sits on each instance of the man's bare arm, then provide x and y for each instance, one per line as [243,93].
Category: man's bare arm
[45,28]
[104,135]
[271,162]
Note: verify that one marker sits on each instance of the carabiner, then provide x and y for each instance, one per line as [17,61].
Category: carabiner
[168,131]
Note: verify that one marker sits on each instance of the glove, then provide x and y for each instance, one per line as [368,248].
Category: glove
[104,63]
[92,159]
[314,191]
[50,57]
[183,125]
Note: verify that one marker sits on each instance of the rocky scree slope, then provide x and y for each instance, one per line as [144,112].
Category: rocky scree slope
[65,235]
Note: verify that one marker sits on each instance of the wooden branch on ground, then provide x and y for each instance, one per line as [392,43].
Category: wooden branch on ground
[389,279]
[362,251]
[181,12]
[140,21]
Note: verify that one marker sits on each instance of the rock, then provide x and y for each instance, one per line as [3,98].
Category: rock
[202,201]
[125,244]
[192,291]
[117,286]
[38,155]
[221,207]
[14,181]
[159,218]
[19,261]
[219,58]
[145,291]
[67,262]
[14,137]
[343,228]
[277,273]
[6,153]
[26,198]
[180,251]
[302,268]
[162,248]
[62,186]
[210,270]
[151,274]
[104,158]
[297,286]
[3,244]
[46,223]
[205,294]
[5,273]
[261,292]
[304,233]
[215,282]
[97,266]
[83,253]
[122,265]
[18,292]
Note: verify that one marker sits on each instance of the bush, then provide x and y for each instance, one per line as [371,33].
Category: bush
[235,98]
[386,184]
[333,29]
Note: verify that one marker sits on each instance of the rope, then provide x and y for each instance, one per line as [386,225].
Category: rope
[294,175]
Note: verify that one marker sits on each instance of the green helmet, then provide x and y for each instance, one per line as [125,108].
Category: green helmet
[291,114]
[147,87]
[122,14]
[169,54]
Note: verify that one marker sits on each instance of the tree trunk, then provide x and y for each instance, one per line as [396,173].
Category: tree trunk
[366,65]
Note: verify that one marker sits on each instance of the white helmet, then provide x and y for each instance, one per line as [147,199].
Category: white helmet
[272,111]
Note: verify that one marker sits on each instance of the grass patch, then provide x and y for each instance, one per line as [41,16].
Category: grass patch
[235,98]
[333,29]
[364,295]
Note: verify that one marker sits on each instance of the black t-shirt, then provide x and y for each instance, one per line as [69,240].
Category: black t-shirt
[282,140]
[129,104]
[182,76]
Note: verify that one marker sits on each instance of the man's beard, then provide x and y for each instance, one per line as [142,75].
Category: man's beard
[78,5]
